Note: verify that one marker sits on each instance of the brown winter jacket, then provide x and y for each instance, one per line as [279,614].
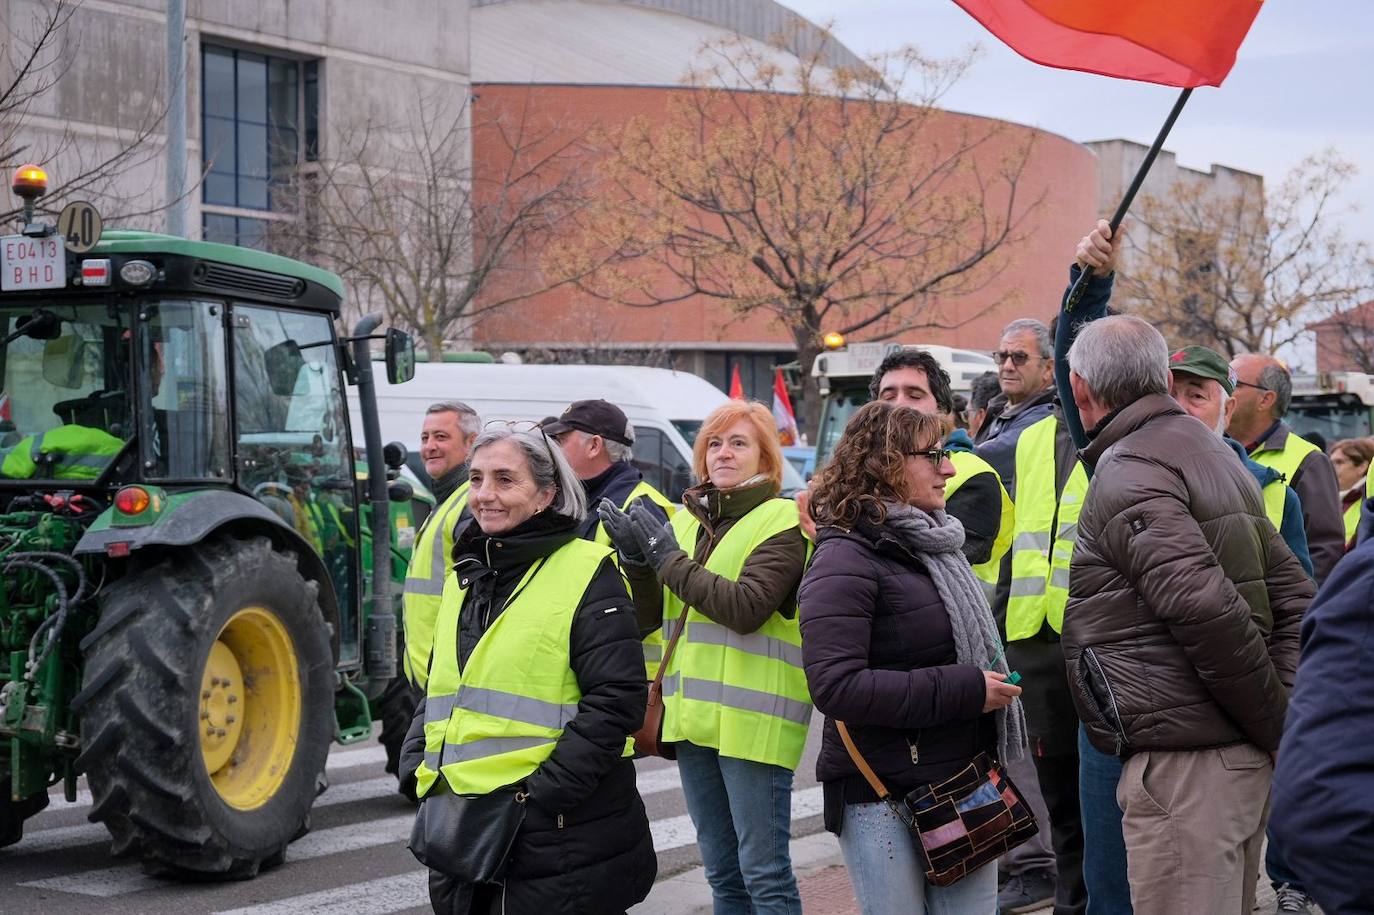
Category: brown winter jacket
[767,583]
[1181,630]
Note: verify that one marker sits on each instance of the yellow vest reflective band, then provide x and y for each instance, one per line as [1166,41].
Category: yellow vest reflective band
[968,465]
[1352,521]
[1046,531]
[430,559]
[744,695]
[1295,451]
[82,454]
[493,723]
[653,642]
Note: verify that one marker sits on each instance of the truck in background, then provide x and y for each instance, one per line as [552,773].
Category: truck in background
[1337,405]
[843,373]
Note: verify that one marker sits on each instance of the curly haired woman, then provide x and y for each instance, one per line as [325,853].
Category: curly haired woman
[899,644]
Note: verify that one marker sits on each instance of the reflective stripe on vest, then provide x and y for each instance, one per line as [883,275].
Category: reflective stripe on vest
[968,465]
[430,557]
[496,720]
[82,453]
[743,695]
[1040,557]
[653,642]
[1286,461]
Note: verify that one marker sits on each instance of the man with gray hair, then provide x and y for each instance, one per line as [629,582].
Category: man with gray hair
[1263,390]
[596,438]
[1181,632]
[446,438]
[1025,372]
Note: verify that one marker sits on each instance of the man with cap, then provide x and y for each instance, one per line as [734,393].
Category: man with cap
[596,438]
[1204,385]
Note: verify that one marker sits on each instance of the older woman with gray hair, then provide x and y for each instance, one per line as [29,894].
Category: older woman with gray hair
[535,683]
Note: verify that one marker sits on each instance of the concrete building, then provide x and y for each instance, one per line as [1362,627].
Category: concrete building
[1117,163]
[272,86]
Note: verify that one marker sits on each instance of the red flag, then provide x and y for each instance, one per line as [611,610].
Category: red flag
[736,388]
[1180,43]
[783,416]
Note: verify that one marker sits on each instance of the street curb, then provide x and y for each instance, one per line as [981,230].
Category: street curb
[689,894]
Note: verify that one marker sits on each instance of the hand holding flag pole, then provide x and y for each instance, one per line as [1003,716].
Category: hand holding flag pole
[1183,43]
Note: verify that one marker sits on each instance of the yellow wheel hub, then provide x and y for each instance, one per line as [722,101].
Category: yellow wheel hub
[250,708]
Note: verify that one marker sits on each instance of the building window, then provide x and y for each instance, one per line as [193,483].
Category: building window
[259,124]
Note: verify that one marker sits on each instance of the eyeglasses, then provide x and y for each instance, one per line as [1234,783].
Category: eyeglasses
[1017,357]
[1246,384]
[937,456]
[527,425]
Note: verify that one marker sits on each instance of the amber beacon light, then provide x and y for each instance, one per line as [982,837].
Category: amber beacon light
[30,182]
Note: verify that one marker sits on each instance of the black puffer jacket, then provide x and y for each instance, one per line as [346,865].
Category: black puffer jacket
[879,655]
[585,845]
[1181,630]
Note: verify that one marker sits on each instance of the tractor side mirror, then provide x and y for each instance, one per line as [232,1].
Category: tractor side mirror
[64,361]
[284,363]
[399,491]
[394,455]
[400,356]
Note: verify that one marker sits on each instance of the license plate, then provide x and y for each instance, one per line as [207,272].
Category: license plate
[32,263]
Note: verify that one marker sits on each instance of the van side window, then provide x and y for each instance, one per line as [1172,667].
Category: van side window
[663,467]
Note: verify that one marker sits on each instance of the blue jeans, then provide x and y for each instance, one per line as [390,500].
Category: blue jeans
[1275,867]
[1104,849]
[742,811]
[888,875]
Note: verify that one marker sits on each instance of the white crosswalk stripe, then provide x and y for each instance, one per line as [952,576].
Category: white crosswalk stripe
[129,878]
[343,759]
[373,897]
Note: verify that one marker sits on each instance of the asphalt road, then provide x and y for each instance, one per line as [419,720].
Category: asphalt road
[353,860]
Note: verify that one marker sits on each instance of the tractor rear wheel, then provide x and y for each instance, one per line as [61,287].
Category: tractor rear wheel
[207,709]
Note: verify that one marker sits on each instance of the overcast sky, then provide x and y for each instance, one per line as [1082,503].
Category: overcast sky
[1302,82]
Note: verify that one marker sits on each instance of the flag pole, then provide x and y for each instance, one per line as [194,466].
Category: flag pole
[1081,286]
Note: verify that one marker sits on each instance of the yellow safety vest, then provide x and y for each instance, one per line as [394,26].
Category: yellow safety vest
[1286,461]
[1275,493]
[653,642]
[1046,530]
[430,559]
[1352,521]
[493,722]
[968,465]
[743,695]
[84,453]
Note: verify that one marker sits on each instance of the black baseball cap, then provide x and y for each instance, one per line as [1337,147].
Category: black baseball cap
[595,417]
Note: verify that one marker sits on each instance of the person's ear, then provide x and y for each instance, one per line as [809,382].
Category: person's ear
[1229,409]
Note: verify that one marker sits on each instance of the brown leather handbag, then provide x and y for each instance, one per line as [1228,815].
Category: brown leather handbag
[649,738]
[961,823]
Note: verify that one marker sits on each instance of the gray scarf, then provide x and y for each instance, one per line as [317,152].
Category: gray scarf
[937,540]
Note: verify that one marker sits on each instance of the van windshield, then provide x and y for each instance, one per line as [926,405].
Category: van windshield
[688,429]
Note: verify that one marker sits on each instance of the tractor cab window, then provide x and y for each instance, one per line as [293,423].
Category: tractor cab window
[186,415]
[65,406]
[293,452]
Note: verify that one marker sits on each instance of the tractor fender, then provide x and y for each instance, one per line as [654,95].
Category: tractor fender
[194,517]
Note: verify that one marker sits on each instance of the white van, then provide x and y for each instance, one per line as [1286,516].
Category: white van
[665,407]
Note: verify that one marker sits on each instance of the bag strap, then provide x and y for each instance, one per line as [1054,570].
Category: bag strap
[869,775]
[668,652]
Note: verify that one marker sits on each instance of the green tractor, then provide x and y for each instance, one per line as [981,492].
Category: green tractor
[197,574]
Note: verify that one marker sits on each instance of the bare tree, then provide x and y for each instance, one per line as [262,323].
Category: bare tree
[34,56]
[835,199]
[1246,271]
[403,215]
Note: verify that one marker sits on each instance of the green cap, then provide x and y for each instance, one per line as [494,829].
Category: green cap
[1204,363]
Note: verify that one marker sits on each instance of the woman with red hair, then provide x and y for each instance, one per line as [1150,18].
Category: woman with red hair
[736,708]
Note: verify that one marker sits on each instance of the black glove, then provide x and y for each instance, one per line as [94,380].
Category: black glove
[656,539]
[620,529]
